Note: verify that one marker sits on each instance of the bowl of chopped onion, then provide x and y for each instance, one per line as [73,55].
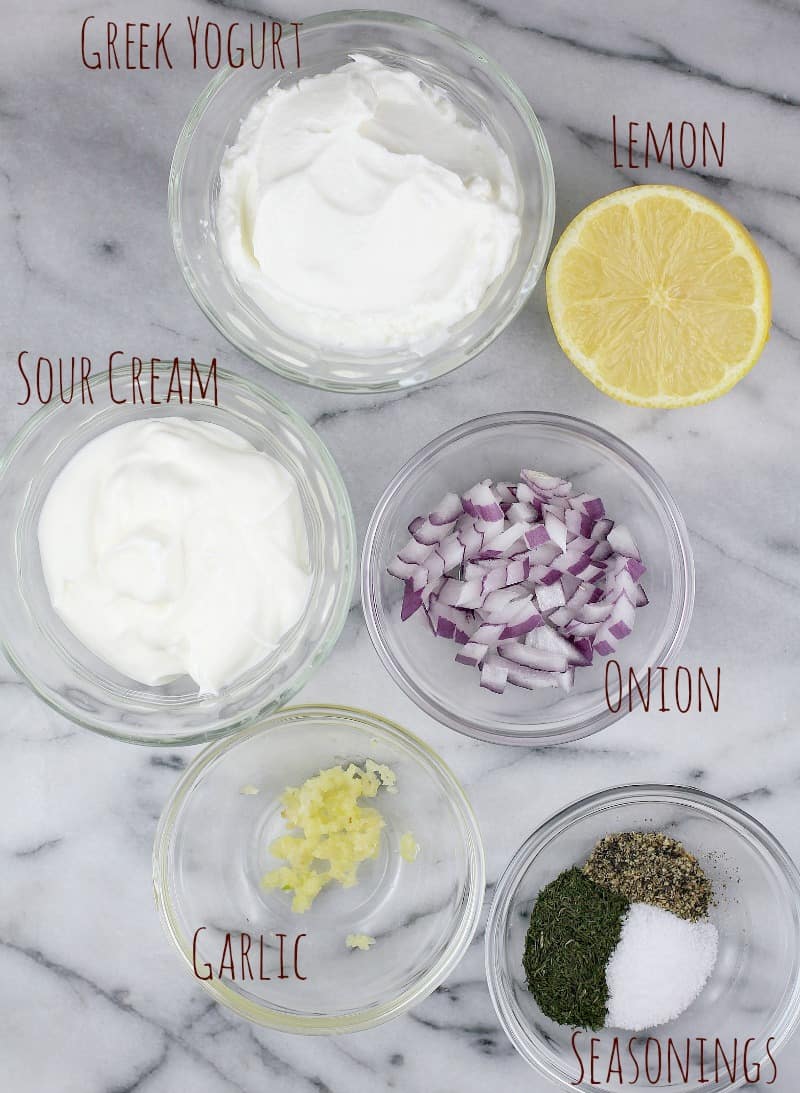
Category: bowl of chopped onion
[512,564]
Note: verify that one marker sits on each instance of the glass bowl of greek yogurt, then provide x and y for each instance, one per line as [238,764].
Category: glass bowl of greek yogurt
[170,572]
[423,647]
[363,952]
[371,219]
[748,1007]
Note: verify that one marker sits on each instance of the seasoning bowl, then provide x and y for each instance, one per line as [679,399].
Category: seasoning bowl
[422,914]
[499,446]
[754,990]
[79,684]
[483,93]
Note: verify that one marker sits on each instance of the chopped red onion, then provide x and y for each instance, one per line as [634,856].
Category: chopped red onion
[522,512]
[621,542]
[481,503]
[531,678]
[556,529]
[505,492]
[488,634]
[528,579]
[550,597]
[447,511]
[472,653]
[530,657]
[494,674]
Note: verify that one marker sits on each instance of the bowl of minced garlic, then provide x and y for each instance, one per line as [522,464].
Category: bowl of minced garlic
[321,871]
[330,834]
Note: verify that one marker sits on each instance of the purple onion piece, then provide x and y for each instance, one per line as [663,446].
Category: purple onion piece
[447,511]
[583,646]
[594,612]
[412,601]
[545,660]
[414,551]
[506,492]
[488,634]
[480,502]
[556,529]
[601,529]
[403,570]
[531,678]
[622,542]
[472,653]
[494,674]
[550,597]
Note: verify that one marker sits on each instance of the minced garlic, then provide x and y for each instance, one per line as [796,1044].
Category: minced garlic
[337,833]
[409,847]
[386,774]
[359,941]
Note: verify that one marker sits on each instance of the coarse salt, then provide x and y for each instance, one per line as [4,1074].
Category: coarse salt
[660,965]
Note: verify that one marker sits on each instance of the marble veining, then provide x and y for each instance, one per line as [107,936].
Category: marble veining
[93,999]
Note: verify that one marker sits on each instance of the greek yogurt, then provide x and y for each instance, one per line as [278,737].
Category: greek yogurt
[361,211]
[172,547]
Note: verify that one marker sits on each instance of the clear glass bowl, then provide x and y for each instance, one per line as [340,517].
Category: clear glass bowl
[484,94]
[80,685]
[754,990]
[499,446]
[423,914]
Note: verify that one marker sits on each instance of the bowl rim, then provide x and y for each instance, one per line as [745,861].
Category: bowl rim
[460,940]
[543,736]
[539,252]
[645,792]
[346,518]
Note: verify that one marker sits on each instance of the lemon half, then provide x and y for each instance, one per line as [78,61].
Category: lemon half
[659,296]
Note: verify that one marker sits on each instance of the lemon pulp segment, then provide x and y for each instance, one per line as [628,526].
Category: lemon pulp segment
[659,296]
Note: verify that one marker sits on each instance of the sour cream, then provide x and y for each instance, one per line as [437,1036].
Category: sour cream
[172,547]
[361,211]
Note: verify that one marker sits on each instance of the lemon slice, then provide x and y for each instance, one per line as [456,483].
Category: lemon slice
[659,296]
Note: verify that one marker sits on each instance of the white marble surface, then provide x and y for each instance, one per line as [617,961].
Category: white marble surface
[92,999]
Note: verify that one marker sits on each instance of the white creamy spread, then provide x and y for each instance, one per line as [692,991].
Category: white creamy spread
[172,547]
[360,211]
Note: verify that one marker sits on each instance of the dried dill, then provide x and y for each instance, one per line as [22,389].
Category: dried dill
[648,867]
[575,926]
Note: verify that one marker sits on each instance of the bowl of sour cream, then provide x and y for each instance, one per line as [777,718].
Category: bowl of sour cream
[370,219]
[172,571]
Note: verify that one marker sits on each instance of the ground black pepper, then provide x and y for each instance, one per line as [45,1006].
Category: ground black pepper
[649,867]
